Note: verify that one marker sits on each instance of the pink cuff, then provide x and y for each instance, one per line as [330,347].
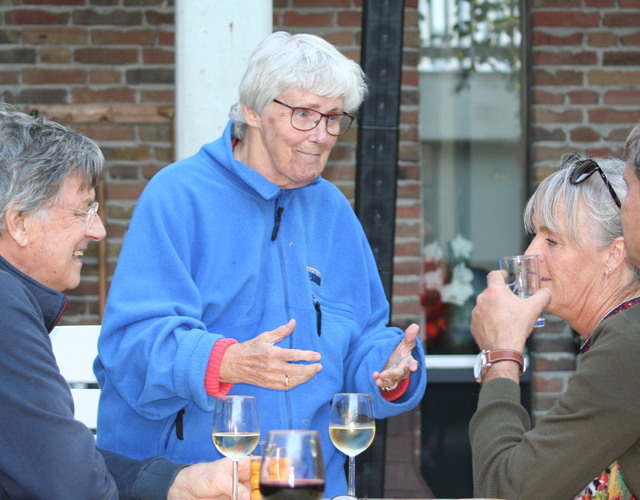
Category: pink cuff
[212,383]
[398,392]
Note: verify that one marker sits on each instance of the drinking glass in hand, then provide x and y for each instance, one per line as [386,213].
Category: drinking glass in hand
[235,430]
[352,428]
[523,277]
[292,466]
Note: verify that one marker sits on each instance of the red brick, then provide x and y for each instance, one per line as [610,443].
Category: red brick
[560,77]
[543,97]
[108,17]
[542,115]
[63,36]
[583,97]
[349,18]
[633,39]
[620,58]
[544,38]
[584,134]
[55,55]
[630,97]
[118,94]
[320,3]
[600,4]
[36,17]
[107,131]
[566,18]
[45,76]
[602,39]
[604,115]
[158,56]
[622,19]
[123,37]
[104,76]
[106,56]
[9,77]
[562,58]
[292,18]
[600,77]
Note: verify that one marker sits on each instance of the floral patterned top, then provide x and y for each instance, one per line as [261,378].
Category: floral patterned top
[610,484]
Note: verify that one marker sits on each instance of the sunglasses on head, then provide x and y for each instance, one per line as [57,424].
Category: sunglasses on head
[583,170]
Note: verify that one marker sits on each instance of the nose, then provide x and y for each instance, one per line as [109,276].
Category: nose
[97,230]
[534,249]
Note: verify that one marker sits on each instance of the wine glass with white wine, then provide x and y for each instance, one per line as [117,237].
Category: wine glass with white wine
[235,430]
[352,428]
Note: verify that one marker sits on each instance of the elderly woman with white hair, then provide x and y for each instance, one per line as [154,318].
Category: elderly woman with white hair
[245,272]
[588,445]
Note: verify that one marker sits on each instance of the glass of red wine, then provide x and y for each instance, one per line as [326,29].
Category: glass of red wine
[292,466]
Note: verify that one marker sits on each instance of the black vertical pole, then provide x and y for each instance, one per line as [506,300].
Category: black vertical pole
[376,176]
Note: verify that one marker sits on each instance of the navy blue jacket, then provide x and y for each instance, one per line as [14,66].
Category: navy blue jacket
[44,452]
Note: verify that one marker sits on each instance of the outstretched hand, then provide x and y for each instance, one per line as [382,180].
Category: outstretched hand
[400,363]
[260,362]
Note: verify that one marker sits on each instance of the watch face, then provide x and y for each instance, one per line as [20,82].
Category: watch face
[481,359]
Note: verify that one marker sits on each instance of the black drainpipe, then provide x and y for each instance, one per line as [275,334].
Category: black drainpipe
[376,176]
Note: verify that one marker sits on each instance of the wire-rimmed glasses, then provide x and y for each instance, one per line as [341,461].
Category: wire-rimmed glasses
[305,119]
[91,213]
[583,170]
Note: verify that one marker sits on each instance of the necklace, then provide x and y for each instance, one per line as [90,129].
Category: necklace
[619,308]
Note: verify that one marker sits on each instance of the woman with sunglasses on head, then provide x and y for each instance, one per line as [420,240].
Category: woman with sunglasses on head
[245,272]
[588,445]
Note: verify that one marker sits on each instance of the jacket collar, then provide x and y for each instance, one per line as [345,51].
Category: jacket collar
[51,302]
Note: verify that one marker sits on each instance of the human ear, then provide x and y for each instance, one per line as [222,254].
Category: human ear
[617,253]
[18,226]
[251,116]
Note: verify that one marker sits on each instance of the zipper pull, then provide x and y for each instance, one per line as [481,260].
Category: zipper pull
[316,304]
[276,225]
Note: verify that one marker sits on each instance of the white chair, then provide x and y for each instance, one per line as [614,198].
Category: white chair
[75,348]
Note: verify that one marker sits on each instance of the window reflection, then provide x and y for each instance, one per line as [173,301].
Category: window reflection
[472,157]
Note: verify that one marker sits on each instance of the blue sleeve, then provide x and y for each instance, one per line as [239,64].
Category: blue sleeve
[148,479]
[373,343]
[46,453]
[152,323]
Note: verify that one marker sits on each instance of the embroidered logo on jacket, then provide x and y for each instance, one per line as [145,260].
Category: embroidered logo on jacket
[314,275]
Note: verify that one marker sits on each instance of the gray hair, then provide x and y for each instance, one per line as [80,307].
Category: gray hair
[632,149]
[36,155]
[302,61]
[602,224]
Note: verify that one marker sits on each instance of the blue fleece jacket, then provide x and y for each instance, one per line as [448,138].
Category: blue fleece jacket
[215,250]
[44,452]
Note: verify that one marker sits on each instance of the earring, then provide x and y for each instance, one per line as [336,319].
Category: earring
[606,274]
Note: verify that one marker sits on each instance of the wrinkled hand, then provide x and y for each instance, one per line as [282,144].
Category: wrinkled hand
[501,319]
[259,362]
[210,481]
[400,363]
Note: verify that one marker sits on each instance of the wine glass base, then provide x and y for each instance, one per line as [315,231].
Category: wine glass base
[344,497]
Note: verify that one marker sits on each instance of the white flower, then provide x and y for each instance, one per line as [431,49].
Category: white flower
[434,280]
[460,289]
[433,251]
[461,247]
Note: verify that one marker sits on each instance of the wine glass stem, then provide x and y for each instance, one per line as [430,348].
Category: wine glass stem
[234,491]
[352,476]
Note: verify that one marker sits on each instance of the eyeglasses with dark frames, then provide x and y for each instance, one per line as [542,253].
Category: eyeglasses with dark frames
[305,119]
[91,213]
[583,169]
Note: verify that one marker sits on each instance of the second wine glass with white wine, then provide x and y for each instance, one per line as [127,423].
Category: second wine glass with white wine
[352,428]
[235,430]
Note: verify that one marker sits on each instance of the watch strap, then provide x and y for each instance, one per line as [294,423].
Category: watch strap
[505,355]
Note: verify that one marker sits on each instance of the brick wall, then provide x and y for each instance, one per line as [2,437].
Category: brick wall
[585,96]
[106,67]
